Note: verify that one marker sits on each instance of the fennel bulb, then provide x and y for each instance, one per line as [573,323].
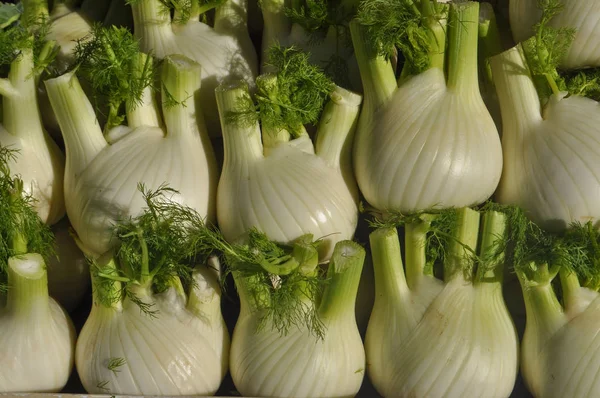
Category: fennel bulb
[442,339]
[429,140]
[37,339]
[101,179]
[224,50]
[287,188]
[559,356]
[581,15]
[146,334]
[550,146]
[68,272]
[324,37]
[40,163]
[301,363]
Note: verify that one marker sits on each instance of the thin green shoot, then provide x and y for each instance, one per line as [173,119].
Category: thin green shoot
[114,364]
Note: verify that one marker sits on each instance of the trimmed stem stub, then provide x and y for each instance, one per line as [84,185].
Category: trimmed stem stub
[463,245]
[181,80]
[377,74]
[75,114]
[390,280]
[463,34]
[27,285]
[343,274]
[241,143]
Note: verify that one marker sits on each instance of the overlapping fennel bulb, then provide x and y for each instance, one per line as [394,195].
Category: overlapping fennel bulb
[320,355]
[318,27]
[40,163]
[442,339]
[559,355]
[147,334]
[551,151]
[287,187]
[102,173]
[224,50]
[429,140]
[581,15]
[37,339]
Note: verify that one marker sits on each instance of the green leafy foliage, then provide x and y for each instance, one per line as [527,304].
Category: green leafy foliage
[292,97]
[21,230]
[9,13]
[400,25]
[111,62]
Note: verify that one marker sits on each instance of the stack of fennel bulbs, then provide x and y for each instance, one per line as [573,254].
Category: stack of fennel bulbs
[549,137]
[40,164]
[452,337]
[283,184]
[317,27]
[428,139]
[156,326]
[581,15]
[103,170]
[37,337]
[224,49]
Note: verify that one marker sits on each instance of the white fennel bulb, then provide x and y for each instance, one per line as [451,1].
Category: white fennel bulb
[429,141]
[67,28]
[182,349]
[451,338]
[328,45]
[155,327]
[101,178]
[37,338]
[36,335]
[288,188]
[559,350]
[301,363]
[581,15]
[550,147]
[224,50]
[39,161]
[68,271]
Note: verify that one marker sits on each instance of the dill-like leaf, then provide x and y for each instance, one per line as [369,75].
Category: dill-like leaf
[585,83]
[115,363]
[546,49]
[294,97]
[21,229]
[398,24]
[109,60]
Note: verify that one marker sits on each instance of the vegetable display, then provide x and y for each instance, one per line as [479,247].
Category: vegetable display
[300,198]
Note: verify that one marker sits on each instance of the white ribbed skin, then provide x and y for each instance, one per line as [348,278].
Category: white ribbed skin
[37,342]
[428,146]
[582,15]
[299,365]
[550,159]
[452,340]
[177,353]
[107,189]
[561,353]
[286,194]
